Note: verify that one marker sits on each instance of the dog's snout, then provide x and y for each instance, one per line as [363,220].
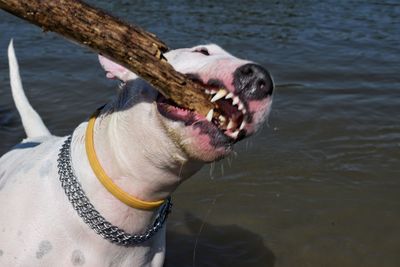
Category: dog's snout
[253,82]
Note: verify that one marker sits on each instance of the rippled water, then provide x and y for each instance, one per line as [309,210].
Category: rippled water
[319,186]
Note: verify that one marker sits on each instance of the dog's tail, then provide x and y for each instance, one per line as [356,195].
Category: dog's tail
[33,124]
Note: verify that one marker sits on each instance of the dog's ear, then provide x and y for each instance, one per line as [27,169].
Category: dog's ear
[115,71]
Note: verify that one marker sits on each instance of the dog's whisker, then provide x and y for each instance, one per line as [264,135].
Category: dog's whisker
[212,168]
[202,226]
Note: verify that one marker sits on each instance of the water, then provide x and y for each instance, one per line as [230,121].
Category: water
[319,186]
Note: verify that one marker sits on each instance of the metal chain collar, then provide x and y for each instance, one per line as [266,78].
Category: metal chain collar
[91,216]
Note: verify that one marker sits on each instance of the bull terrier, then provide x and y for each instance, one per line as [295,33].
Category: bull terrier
[101,196]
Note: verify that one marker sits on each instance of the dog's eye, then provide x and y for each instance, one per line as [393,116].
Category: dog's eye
[202,50]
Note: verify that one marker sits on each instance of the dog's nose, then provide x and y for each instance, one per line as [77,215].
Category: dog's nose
[252,81]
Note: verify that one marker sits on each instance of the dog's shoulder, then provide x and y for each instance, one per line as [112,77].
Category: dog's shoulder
[29,154]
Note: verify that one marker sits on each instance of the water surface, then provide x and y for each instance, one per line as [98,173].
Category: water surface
[318,186]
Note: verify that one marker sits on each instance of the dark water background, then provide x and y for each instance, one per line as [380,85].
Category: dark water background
[319,186]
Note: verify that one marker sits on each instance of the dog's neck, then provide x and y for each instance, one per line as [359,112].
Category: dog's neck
[145,164]
[139,157]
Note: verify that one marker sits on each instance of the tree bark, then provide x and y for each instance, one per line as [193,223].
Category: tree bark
[126,44]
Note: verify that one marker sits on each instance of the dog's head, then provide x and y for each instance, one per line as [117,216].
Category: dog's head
[241,89]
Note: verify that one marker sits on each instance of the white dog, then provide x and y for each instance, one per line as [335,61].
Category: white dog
[117,171]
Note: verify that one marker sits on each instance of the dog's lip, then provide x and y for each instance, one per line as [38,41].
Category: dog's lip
[170,110]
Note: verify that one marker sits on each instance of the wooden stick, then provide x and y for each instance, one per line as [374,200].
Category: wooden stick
[128,45]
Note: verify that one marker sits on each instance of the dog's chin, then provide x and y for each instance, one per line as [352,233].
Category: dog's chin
[198,138]
[197,145]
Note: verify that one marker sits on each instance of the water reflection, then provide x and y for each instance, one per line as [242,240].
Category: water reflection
[216,245]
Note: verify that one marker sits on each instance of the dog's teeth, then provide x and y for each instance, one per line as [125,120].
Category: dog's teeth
[208,91]
[240,106]
[235,134]
[221,93]
[231,125]
[212,91]
[235,100]
[210,115]
[242,125]
[244,111]
[222,118]
[229,96]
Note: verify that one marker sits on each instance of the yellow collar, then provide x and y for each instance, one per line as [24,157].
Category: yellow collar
[107,182]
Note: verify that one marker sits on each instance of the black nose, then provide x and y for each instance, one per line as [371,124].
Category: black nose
[252,81]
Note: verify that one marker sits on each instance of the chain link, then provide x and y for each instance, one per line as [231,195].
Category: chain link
[91,216]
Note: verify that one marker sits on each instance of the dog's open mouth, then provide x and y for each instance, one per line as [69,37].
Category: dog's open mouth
[231,120]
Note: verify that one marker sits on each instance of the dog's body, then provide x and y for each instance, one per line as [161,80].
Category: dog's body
[143,142]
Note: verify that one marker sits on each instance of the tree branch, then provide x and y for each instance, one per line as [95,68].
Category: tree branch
[128,45]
